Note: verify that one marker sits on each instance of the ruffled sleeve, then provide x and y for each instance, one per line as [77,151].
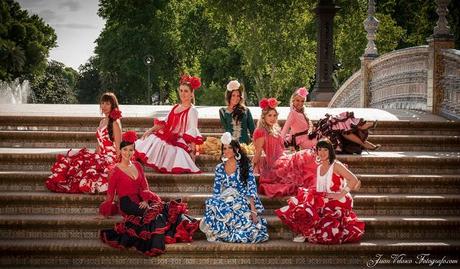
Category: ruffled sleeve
[145,192]
[192,134]
[218,180]
[250,122]
[108,207]
[258,133]
[287,124]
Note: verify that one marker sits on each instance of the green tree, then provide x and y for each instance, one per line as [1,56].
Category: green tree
[88,86]
[275,40]
[25,42]
[55,86]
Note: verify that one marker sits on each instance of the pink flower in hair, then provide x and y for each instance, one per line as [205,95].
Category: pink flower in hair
[272,102]
[302,92]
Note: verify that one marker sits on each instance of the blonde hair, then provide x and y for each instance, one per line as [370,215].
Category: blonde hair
[274,130]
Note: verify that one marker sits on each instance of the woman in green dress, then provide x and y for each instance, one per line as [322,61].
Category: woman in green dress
[236,118]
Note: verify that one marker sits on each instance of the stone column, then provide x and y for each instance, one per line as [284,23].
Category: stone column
[370,25]
[441,39]
[323,89]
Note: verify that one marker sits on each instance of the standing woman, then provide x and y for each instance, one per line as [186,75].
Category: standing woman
[84,171]
[148,223]
[298,127]
[280,174]
[236,118]
[324,214]
[233,212]
[170,145]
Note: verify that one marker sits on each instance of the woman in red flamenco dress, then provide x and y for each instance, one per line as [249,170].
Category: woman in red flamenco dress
[84,171]
[170,145]
[280,174]
[148,223]
[324,214]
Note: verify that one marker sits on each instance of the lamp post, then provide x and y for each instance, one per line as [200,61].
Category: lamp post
[148,61]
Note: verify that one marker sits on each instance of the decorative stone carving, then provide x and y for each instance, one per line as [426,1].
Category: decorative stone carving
[442,28]
[370,25]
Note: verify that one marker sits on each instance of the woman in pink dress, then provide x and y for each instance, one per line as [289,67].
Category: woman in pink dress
[84,171]
[280,174]
[148,223]
[324,213]
[169,146]
[297,130]
[348,135]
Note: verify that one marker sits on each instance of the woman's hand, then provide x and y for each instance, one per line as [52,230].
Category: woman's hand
[143,205]
[146,134]
[254,217]
[336,196]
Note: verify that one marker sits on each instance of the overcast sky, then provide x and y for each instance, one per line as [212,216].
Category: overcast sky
[77,26]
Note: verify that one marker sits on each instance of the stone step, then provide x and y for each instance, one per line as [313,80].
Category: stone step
[272,253]
[379,162]
[203,183]
[206,125]
[23,203]
[77,227]
[75,139]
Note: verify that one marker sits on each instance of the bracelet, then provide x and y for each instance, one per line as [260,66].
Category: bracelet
[347,189]
[253,211]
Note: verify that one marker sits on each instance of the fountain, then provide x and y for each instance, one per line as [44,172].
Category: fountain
[14,92]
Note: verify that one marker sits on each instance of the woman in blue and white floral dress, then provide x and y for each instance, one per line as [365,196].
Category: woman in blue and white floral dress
[233,212]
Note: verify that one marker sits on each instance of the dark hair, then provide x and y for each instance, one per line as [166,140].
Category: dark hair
[243,162]
[124,143]
[112,99]
[240,108]
[326,144]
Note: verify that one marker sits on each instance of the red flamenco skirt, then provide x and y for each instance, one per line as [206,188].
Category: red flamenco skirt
[81,172]
[288,173]
[148,230]
[322,220]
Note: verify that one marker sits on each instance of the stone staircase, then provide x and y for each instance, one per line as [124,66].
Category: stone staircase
[410,201]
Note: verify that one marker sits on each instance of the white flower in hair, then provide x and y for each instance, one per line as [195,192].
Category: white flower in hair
[226,138]
[233,85]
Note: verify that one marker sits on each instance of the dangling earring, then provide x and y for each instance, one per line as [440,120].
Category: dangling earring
[223,158]
[318,160]
[238,156]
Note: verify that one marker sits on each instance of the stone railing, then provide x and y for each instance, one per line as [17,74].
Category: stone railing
[397,80]
[450,83]
[349,93]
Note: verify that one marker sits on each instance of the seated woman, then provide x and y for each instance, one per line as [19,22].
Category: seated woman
[84,171]
[324,214]
[347,133]
[298,128]
[233,212]
[280,174]
[236,118]
[169,146]
[148,223]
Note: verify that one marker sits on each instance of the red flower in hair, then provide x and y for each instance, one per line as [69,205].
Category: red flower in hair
[129,136]
[115,114]
[272,102]
[193,82]
[263,103]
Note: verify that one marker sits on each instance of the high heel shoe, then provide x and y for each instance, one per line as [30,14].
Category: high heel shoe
[374,125]
[374,148]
